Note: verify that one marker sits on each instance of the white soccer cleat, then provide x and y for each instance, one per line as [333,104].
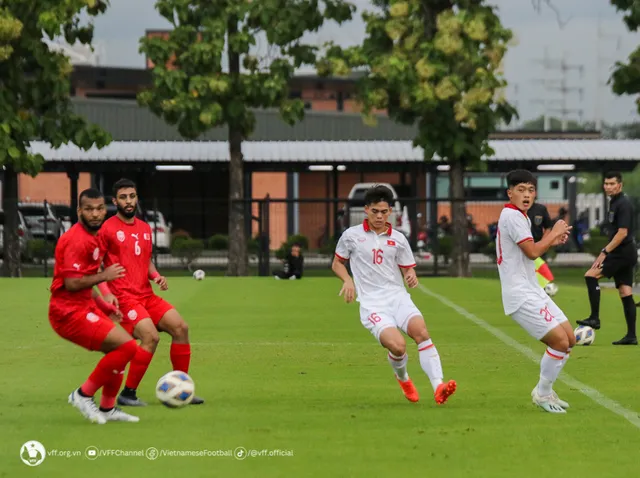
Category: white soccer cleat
[554,395]
[87,407]
[117,415]
[547,403]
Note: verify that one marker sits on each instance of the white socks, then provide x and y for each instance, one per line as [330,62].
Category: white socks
[399,366]
[550,367]
[430,362]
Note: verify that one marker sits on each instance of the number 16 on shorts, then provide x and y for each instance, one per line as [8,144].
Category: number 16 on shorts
[374,319]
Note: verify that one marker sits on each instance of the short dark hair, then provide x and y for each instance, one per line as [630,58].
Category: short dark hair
[613,175]
[521,176]
[378,194]
[123,184]
[91,193]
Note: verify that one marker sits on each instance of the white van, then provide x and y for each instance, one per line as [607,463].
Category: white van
[399,218]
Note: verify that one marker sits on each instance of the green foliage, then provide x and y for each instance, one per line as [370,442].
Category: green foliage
[187,250]
[596,242]
[253,245]
[445,247]
[218,242]
[34,92]
[40,250]
[625,79]
[192,87]
[435,64]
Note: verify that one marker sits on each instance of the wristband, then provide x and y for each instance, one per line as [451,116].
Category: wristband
[605,252]
[105,306]
[154,276]
[104,288]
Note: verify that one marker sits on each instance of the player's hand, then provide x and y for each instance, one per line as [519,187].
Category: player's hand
[411,279]
[162,282]
[561,228]
[116,316]
[597,265]
[111,299]
[349,291]
[113,272]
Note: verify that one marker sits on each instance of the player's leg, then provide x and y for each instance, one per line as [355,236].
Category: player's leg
[624,283]
[591,278]
[143,329]
[167,319]
[93,331]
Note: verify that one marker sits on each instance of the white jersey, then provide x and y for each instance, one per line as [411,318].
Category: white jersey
[517,271]
[375,261]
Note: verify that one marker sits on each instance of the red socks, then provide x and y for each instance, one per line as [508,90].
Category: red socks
[180,356]
[138,368]
[111,364]
[110,391]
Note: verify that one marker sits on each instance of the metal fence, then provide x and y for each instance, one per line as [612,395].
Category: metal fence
[192,234]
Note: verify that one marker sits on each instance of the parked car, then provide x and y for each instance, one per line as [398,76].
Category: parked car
[399,218]
[24,234]
[35,214]
[64,214]
[160,230]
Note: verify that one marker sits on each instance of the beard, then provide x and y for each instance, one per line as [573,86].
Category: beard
[127,214]
[88,226]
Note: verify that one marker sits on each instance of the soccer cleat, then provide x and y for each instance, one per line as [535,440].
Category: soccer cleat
[87,407]
[196,401]
[549,403]
[626,340]
[444,391]
[555,396]
[590,322]
[409,389]
[117,415]
[127,401]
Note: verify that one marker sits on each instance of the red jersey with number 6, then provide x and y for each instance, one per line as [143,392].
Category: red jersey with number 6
[130,246]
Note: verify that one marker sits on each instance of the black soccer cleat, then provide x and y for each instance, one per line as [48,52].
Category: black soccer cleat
[590,322]
[626,340]
[128,398]
[197,401]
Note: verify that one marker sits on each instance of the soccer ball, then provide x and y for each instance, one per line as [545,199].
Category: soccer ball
[198,275]
[584,335]
[175,389]
[551,289]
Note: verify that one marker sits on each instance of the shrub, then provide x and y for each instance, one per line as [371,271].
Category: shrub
[218,242]
[39,249]
[299,239]
[187,250]
[596,242]
[445,247]
[179,234]
[253,245]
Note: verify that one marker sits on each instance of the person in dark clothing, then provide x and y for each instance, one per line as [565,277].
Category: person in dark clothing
[540,220]
[617,259]
[293,264]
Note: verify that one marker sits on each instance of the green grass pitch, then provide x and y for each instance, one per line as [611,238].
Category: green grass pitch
[286,365]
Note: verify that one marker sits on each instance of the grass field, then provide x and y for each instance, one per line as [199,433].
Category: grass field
[287,366]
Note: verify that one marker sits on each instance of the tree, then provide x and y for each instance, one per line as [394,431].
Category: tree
[625,79]
[437,64]
[195,90]
[34,95]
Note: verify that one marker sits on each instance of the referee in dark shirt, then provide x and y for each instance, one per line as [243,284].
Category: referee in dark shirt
[617,259]
[540,220]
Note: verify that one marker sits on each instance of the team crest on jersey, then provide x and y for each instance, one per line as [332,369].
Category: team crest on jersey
[132,314]
[91,317]
[146,236]
[120,236]
[391,243]
[96,253]
[537,220]
[362,239]
[612,216]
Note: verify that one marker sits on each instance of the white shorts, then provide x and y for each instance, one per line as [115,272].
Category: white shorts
[539,316]
[394,314]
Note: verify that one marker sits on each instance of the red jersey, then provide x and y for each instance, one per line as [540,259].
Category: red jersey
[78,254]
[130,246]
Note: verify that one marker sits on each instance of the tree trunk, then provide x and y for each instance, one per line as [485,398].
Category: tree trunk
[238,261]
[11,262]
[459,255]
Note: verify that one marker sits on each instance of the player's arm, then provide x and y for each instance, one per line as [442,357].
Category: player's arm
[624,224]
[407,264]
[547,223]
[155,276]
[533,250]
[620,236]
[113,272]
[410,276]
[348,287]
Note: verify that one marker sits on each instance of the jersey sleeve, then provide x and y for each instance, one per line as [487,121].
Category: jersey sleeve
[344,247]
[406,260]
[518,228]
[73,260]
[624,216]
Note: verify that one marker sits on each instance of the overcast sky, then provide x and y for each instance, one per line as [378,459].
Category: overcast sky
[592,39]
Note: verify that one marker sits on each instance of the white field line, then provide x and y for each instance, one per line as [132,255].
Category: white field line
[611,405]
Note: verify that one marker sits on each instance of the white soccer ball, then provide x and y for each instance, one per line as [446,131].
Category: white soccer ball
[584,335]
[551,289]
[175,389]
[199,274]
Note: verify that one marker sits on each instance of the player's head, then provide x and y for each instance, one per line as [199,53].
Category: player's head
[91,209]
[125,197]
[377,205]
[612,184]
[521,188]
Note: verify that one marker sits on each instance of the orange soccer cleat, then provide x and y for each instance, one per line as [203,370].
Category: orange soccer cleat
[444,391]
[409,390]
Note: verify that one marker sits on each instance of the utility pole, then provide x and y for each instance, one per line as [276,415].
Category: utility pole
[601,61]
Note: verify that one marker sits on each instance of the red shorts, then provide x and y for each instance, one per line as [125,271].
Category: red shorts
[87,326]
[133,311]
